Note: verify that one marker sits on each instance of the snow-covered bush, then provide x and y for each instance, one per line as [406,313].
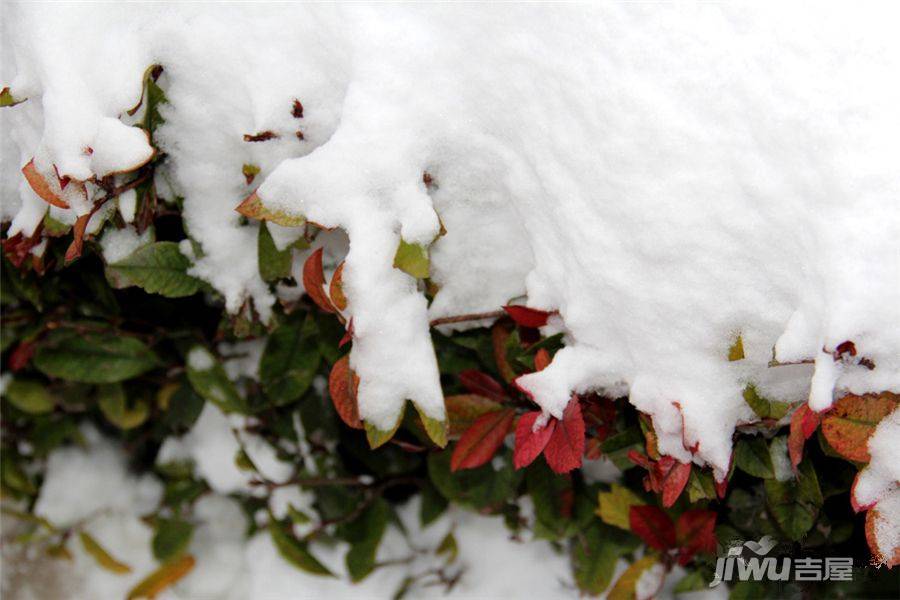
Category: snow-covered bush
[302,269]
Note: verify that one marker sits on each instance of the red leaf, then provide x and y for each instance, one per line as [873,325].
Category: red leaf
[854,503]
[847,347]
[566,445]
[673,476]
[464,409]
[18,358]
[336,288]
[40,186]
[527,317]
[852,421]
[499,335]
[695,533]
[482,440]
[804,422]
[342,386]
[653,525]
[482,384]
[885,556]
[18,247]
[530,444]
[297,109]
[348,335]
[640,460]
[314,281]
[541,359]
[77,244]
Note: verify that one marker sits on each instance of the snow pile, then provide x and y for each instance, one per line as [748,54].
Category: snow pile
[877,488]
[666,177]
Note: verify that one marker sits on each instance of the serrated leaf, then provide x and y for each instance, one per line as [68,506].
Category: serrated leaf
[253,207]
[412,259]
[208,378]
[163,577]
[114,406]
[289,361]
[529,443]
[852,420]
[482,440]
[171,538]
[752,456]
[93,357]
[29,396]
[293,550]
[653,525]
[156,268]
[103,558]
[614,506]
[565,448]
[273,263]
[343,384]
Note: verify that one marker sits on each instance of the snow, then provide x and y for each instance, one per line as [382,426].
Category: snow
[199,359]
[665,176]
[73,477]
[232,567]
[120,243]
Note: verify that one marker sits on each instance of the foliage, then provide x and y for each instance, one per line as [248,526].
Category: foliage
[136,347]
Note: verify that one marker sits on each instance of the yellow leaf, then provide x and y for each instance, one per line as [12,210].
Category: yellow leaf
[252,207]
[615,505]
[162,578]
[625,587]
[436,430]
[736,352]
[103,558]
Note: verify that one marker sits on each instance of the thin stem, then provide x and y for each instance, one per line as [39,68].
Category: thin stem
[494,314]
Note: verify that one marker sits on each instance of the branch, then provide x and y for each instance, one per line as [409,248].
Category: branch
[494,314]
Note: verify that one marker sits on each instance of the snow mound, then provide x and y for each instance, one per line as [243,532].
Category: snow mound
[666,177]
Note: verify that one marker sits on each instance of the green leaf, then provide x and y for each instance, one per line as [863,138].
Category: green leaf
[7,99]
[273,263]
[29,396]
[436,430]
[103,558]
[701,486]
[433,504]
[13,476]
[377,437]
[795,503]
[166,575]
[293,550]
[289,361]
[736,352]
[412,259]
[208,378]
[752,456]
[615,505]
[694,581]
[594,557]
[113,404]
[479,488]
[449,547]
[171,538]
[365,535]
[765,408]
[54,228]
[156,268]
[547,491]
[93,357]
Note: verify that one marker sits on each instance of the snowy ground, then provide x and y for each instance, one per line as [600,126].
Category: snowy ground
[229,567]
